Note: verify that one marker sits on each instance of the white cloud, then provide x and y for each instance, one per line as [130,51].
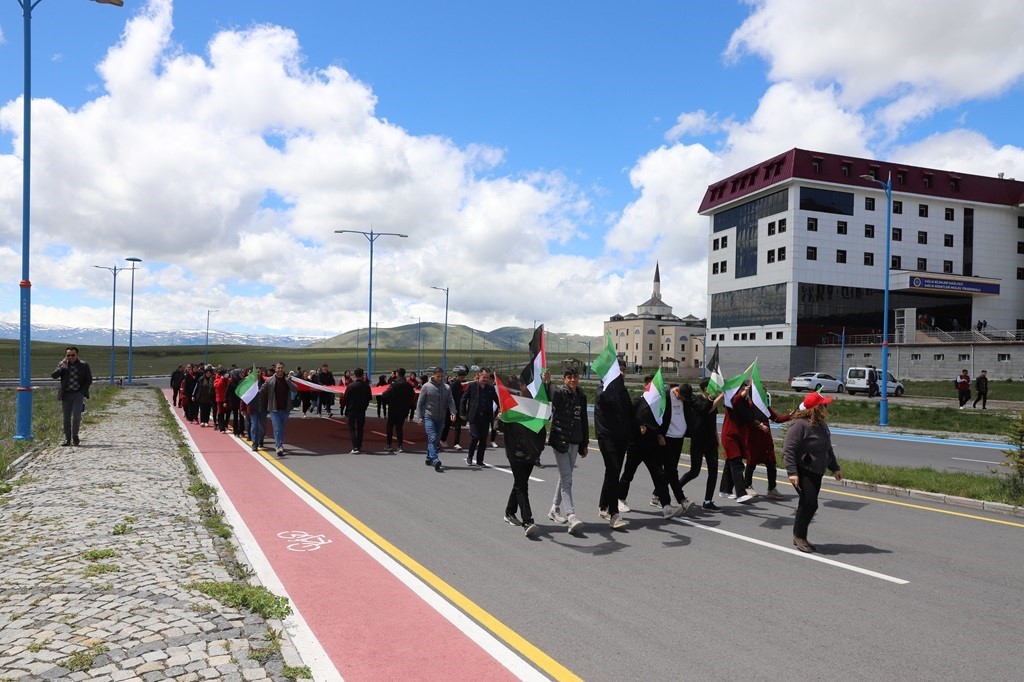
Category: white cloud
[693,123]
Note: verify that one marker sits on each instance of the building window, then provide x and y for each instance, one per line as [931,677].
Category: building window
[725,242]
[1020,273]
[939,357]
[725,266]
[901,177]
[897,263]
[950,214]
[743,336]
[897,207]
[782,253]
[840,255]
[922,237]
[753,336]
[869,203]
[778,335]
[1020,222]
[869,231]
[816,165]
[650,346]
[714,245]
[1020,247]
[846,169]
[812,254]
[1002,357]
[771,228]
[954,184]
[922,210]
[915,356]
[922,264]
[782,225]
[927,181]
[897,234]
[812,224]
[735,337]
[869,258]
[771,255]
[714,268]
[840,227]
[947,266]
[947,240]
[963,357]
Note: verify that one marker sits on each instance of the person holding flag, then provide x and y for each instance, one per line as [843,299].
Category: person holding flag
[278,391]
[613,425]
[570,437]
[704,441]
[761,445]
[248,392]
[734,440]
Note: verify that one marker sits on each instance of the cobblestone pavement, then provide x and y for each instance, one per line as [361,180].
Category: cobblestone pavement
[126,616]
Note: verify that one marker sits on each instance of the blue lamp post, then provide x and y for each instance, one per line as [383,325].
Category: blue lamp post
[883,410]
[371,237]
[23,426]
[444,343]
[113,315]
[131,315]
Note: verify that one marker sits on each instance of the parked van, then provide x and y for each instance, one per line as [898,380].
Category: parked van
[857,381]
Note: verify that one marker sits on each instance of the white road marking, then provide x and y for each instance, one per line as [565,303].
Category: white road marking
[980,461]
[509,471]
[795,552]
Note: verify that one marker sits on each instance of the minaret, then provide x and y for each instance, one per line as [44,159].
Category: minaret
[657,282]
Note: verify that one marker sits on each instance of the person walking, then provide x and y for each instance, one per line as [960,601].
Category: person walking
[455,425]
[75,377]
[257,411]
[680,417]
[204,396]
[277,391]
[326,399]
[704,442]
[570,437]
[963,387]
[521,448]
[981,387]
[176,378]
[613,426]
[761,448]
[356,400]
[434,405]
[398,396]
[807,452]
[734,443]
[382,405]
[478,410]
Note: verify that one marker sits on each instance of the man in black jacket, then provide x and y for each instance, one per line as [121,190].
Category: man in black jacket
[477,408]
[455,384]
[75,378]
[176,377]
[357,399]
[981,386]
[646,448]
[570,437]
[399,395]
[613,425]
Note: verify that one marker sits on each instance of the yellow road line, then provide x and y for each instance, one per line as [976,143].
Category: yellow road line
[540,659]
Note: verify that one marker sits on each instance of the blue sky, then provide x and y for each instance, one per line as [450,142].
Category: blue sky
[541,156]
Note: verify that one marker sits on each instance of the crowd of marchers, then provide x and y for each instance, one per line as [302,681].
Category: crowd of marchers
[627,432]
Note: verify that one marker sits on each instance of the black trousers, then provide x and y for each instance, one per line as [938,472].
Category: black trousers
[983,397]
[355,430]
[613,455]
[478,429]
[708,452]
[396,426]
[810,486]
[964,396]
[646,452]
[204,412]
[748,474]
[448,424]
[732,477]
[519,498]
[670,455]
[236,421]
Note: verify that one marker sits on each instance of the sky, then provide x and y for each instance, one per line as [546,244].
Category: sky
[541,157]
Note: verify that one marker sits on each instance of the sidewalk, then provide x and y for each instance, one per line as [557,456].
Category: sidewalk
[126,616]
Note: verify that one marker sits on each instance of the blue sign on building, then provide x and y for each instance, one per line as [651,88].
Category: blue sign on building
[966,287]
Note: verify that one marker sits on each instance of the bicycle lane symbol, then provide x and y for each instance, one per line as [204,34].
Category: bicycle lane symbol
[303,541]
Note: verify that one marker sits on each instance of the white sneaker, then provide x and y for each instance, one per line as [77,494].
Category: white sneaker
[494,444]
[575,525]
[745,498]
[457,447]
[605,515]
[556,515]
[655,501]
[623,507]
[617,522]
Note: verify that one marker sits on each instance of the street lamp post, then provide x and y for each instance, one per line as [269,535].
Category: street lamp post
[206,354]
[444,343]
[371,237]
[131,315]
[113,315]
[23,426]
[883,408]
[419,343]
[842,354]
[587,344]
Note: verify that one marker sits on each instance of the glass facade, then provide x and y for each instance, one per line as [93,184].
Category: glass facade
[749,307]
[826,201]
[744,218]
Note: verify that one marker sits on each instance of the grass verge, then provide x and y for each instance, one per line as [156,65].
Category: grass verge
[973,486]
[256,599]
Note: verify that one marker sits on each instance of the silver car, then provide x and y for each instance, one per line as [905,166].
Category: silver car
[816,381]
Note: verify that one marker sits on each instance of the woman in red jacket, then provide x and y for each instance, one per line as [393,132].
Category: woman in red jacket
[734,442]
[761,447]
[220,393]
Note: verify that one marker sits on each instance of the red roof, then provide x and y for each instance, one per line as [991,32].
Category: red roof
[846,170]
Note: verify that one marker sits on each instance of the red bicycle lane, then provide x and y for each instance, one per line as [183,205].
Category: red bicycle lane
[372,618]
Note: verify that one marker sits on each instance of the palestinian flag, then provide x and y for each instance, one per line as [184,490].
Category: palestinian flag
[532,375]
[758,395]
[656,397]
[517,409]
[606,364]
[248,387]
[733,385]
[716,382]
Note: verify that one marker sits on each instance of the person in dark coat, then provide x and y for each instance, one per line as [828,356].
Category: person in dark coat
[75,378]
[613,426]
[981,386]
[357,400]
[761,448]
[703,433]
[399,395]
[521,448]
[325,378]
[570,438]
[646,449]
[477,409]
[457,388]
[176,377]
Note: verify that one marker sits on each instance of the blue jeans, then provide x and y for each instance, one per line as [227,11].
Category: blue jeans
[257,427]
[279,418]
[432,427]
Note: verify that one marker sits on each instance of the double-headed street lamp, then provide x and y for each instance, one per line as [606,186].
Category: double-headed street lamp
[206,353]
[587,344]
[444,344]
[23,426]
[131,315]
[113,314]
[371,237]
[883,410]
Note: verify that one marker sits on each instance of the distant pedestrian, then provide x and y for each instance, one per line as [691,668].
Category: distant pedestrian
[872,382]
[75,378]
[477,408]
[382,405]
[176,378]
[278,391]
[398,396]
[963,387]
[326,399]
[807,453]
[434,406]
[356,401]
[257,414]
[457,388]
[981,386]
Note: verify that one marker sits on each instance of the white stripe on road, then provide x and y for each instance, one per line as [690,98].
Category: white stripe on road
[509,471]
[794,552]
[980,461]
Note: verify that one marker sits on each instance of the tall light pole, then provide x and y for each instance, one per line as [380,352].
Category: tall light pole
[444,344]
[419,343]
[23,426]
[587,344]
[206,354]
[113,314]
[883,408]
[371,237]
[131,315]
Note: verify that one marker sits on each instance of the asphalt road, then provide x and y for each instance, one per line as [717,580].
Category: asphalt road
[711,596]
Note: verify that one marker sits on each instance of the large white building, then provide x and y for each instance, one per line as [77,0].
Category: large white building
[797,256]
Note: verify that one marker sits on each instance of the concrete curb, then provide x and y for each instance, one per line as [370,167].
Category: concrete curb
[938,498]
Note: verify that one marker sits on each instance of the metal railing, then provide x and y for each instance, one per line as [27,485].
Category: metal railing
[933,335]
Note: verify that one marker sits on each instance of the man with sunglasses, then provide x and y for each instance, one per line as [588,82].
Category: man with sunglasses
[75,378]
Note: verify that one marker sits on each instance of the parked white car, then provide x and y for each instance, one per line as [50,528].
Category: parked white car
[816,381]
[857,382]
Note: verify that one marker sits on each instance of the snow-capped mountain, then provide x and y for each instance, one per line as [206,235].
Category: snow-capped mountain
[91,336]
